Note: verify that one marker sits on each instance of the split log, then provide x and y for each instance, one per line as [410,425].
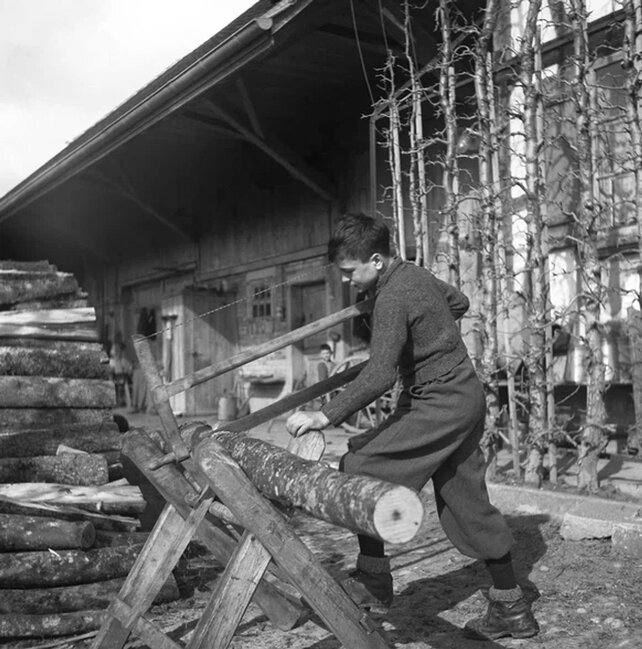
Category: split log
[16,418]
[20,286]
[92,438]
[79,332]
[104,498]
[67,469]
[76,300]
[63,599]
[17,625]
[54,392]
[116,524]
[65,567]
[387,511]
[63,359]
[23,533]
[49,317]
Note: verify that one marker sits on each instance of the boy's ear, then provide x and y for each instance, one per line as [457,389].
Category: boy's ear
[377,260]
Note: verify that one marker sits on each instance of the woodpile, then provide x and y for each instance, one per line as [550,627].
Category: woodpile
[67,518]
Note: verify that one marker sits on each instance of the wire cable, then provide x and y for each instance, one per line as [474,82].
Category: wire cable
[363,63]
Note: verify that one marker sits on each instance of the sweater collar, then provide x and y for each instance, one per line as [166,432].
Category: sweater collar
[384,278]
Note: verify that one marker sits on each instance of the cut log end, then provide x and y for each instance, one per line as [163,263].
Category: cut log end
[398,515]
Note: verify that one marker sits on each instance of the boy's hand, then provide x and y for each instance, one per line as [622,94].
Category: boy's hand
[301,422]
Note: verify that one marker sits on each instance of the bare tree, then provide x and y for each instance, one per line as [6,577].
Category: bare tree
[588,221]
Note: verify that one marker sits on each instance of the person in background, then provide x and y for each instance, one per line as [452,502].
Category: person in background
[324,367]
[120,370]
[435,430]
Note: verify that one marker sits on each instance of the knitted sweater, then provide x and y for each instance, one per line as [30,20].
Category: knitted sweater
[413,333]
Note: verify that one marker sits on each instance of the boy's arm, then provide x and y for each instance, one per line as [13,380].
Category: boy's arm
[458,303]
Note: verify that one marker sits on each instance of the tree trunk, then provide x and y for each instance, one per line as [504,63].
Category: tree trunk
[19,533]
[62,359]
[46,511]
[17,625]
[68,469]
[20,286]
[104,498]
[16,418]
[91,438]
[380,509]
[65,567]
[63,599]
[54,392]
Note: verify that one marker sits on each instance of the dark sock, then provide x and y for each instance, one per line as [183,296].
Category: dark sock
[501,572]
[370,547]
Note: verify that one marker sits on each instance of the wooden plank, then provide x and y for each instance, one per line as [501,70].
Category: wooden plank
[325,596]
[54,392]
[180,385]
[49,317]
[234,591]
[64,359]
[13,419]
[159,555]
[172,484]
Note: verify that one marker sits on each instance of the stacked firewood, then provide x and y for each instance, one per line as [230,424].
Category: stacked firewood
[67,519]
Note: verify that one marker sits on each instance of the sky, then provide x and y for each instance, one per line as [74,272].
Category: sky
[65,64]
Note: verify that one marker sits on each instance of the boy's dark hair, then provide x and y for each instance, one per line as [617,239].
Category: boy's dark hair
[358,236]
[325,346]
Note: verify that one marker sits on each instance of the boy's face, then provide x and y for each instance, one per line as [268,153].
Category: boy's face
[361,274]
[326,354]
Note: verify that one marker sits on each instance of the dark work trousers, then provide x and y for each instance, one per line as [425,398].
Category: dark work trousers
[434,433]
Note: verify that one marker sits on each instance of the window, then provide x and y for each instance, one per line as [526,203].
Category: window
[261,301]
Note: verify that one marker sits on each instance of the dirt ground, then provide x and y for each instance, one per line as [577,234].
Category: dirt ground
[586,595]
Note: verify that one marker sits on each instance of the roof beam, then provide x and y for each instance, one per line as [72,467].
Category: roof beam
[289,160]
[249,107]
[125,190]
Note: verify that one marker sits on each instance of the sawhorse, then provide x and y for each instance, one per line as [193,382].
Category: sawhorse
[190,487]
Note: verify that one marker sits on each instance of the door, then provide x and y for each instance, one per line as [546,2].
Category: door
[308,305]
[211,337]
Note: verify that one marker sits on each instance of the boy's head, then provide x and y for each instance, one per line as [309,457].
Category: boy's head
[326,352]
[360,246]
[358,236]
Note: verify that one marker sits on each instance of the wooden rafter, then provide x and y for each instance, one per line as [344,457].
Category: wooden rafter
[125,190]
[249,107]
[289,160]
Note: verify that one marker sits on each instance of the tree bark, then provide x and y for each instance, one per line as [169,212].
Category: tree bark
[91,438]
[380,509]
[62,359]
[17,625]
[65,567]
[54,392]
[63,599]
[20,286]
[23,533]
[16,418]
[68,469]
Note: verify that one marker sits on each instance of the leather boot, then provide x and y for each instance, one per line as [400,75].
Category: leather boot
[509,614]
[370,585]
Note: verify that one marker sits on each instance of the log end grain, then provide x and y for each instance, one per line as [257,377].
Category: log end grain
[398,515]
